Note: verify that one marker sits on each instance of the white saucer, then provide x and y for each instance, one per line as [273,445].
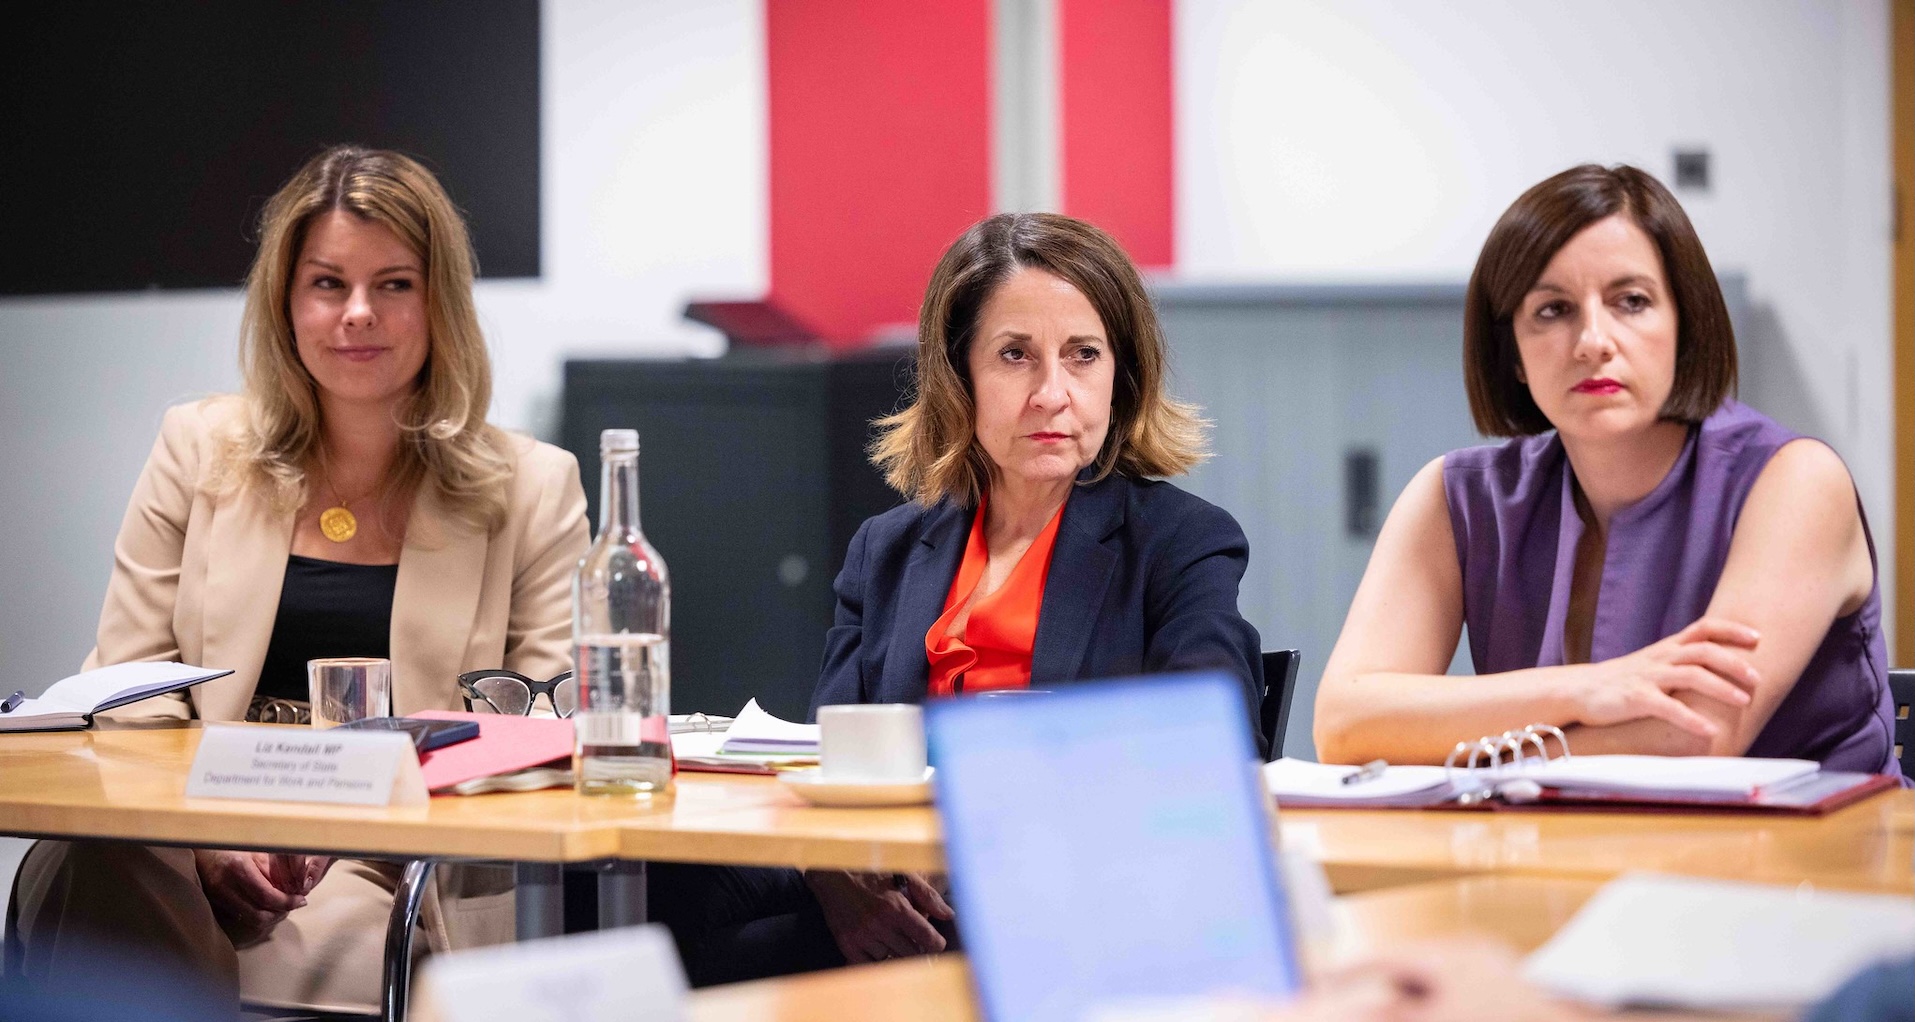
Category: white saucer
[811,785]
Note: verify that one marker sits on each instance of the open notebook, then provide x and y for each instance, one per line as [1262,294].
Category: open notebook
[1797,785]
[70,703]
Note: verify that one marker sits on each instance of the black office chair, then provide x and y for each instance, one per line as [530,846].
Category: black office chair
[1279,687]
[1901,689]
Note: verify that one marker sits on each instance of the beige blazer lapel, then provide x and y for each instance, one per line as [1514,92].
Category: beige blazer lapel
[247,543]
[435,605]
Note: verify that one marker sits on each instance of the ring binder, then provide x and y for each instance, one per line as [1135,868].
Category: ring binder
[699,723]
[1524,767]
[1480,783]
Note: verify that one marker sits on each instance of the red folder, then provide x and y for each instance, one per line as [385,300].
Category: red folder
[505,744]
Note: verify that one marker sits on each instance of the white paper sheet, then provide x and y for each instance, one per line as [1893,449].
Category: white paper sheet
[754,730]
[1298,782]
[1661,941]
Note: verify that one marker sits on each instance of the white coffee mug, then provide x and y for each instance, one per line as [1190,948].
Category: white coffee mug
[877,743]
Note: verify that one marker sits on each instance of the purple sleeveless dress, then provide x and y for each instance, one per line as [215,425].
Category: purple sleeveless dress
[1516,531]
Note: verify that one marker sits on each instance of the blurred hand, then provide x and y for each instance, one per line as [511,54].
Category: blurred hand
[298,874]
[240,886]
[1709,658]
[875,916]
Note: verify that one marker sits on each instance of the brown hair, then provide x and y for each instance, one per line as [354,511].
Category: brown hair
[1521,245]
[444,435]
[929,450]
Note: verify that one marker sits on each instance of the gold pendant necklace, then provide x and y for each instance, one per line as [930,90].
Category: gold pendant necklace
[337,523]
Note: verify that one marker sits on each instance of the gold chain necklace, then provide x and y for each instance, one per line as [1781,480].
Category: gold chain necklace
[337,523]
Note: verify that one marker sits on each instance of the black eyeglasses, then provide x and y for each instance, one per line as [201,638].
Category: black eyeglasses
[512,693]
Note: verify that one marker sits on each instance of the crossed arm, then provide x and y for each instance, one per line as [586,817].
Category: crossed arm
[1799,559]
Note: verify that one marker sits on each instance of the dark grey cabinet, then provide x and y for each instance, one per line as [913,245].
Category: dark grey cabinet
[752,480]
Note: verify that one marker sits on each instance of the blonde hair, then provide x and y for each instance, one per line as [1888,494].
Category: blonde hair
[444,437]
[929,451]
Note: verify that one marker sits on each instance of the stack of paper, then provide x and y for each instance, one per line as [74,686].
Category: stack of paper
[1677,778]
[755,743]
[1663,780]
[1717,945]
[757,733]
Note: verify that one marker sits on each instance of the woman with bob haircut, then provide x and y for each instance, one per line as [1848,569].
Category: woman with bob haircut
[1647,564]
[1034,551]
[1036,548]
[353,500]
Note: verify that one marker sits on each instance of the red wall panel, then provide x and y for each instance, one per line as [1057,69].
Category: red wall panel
[1114,86]
[880,152]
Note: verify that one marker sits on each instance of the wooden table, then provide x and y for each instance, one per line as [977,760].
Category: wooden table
[1519,911]
[127,781]
[756,821]
[1869,846]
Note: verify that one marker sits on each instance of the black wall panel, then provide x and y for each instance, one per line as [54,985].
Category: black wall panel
[141,140]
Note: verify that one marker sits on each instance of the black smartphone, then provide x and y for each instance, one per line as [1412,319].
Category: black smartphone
[427,735]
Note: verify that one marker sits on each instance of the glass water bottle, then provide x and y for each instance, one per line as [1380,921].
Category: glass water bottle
[621,641]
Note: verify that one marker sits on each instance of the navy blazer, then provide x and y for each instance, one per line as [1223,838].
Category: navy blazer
[1143,580]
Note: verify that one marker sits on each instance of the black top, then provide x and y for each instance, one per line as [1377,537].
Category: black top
[326,609]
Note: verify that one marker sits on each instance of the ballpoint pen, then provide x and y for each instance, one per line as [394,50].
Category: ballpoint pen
[13,701]
[1367,772]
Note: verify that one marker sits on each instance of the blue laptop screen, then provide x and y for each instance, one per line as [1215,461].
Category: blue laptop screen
[1108,843]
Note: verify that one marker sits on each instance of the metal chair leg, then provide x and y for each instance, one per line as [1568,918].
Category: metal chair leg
[540,899]
[399,929]
[621,895]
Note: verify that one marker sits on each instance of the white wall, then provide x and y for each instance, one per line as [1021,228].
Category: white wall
[654,190]
[1317,140]
[1374,140]
[653,126]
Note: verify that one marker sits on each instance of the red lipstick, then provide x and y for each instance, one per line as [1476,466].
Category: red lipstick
[1598,385]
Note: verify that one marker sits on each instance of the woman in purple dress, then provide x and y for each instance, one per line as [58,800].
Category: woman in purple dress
[1646,563]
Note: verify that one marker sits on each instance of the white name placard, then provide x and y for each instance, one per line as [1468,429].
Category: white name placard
[630,974]
[363,768]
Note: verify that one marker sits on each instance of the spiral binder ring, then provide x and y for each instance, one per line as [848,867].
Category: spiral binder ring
[1495,754]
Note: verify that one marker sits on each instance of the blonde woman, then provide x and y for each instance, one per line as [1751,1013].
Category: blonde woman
[352,501]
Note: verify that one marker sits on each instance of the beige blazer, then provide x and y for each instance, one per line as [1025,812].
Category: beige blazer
[196,577]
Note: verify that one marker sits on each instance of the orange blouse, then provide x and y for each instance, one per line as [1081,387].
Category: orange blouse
[994,650]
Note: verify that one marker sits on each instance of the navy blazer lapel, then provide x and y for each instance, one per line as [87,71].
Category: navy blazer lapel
[928,572]
[1081,566]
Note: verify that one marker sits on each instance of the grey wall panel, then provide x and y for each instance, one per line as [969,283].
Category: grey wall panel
[1295,379]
